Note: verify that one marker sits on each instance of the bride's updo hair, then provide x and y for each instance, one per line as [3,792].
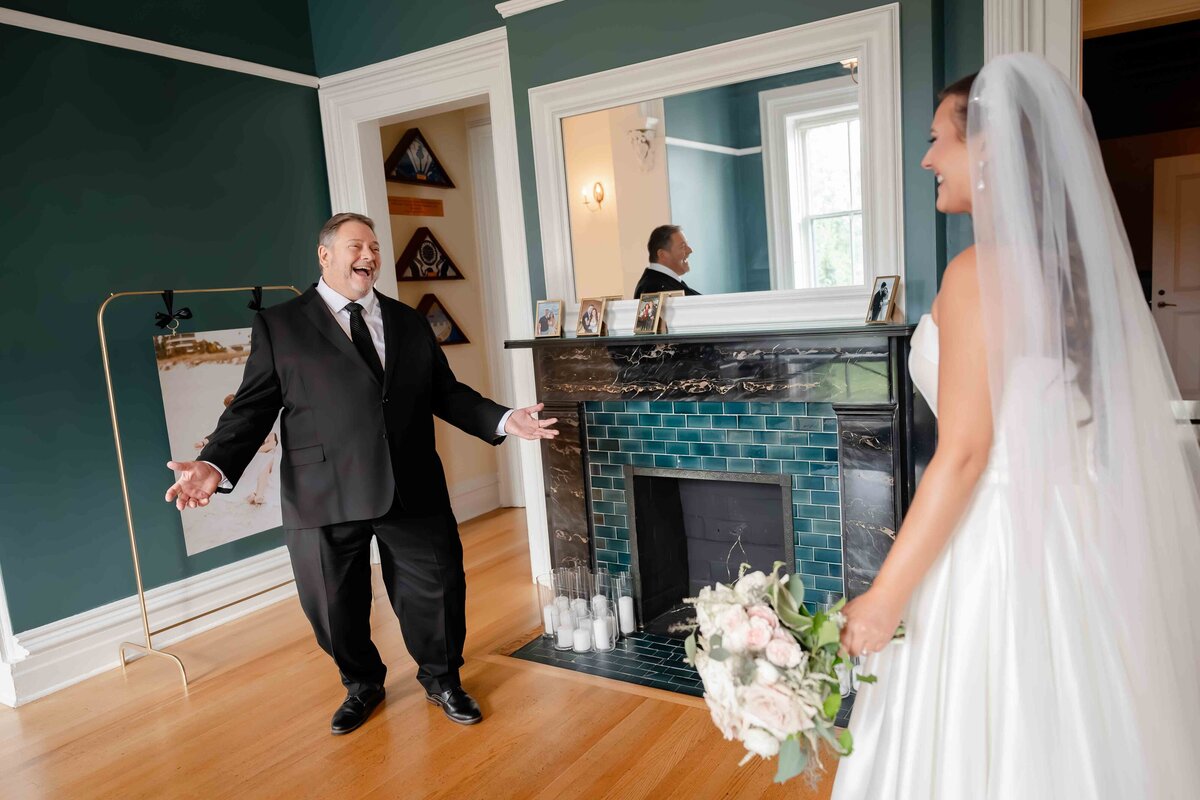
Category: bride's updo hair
[960,90]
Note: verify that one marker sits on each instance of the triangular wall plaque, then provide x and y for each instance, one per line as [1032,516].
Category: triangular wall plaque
[413,161]
[445,329]
[424,259]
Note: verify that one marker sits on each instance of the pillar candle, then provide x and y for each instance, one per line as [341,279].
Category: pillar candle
[565,621]
[562,603]
[628,622]
[599,605]
[583,639]
[549,612]
[601,633]
[566,637]
[579,606]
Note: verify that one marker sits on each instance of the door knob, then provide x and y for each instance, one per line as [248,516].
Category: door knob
[1161,304]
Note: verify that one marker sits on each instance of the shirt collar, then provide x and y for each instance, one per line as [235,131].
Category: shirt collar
[337,302]
[670,273]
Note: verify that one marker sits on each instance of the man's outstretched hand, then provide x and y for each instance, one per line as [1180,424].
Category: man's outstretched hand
[524,422]
[195,483]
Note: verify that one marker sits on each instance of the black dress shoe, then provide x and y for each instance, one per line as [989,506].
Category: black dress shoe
[459,706]
[355,710]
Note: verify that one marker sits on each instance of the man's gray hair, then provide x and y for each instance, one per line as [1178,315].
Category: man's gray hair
[330,228]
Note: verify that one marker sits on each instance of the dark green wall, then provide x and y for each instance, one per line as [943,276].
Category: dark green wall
[575,38]
[963,54]
[271,32]
[370,31]
[124,171]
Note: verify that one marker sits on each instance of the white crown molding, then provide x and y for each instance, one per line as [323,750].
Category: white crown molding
[33,22]
[70,650]
[514,7]
[461,73]
[871,36]
[1050,28]
[712,148]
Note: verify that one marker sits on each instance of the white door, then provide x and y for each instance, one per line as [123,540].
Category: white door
[1175,295]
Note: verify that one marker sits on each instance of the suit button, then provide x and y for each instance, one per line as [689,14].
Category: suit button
[385,399]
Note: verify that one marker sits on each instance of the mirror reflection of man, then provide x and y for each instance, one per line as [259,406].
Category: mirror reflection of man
[669,253]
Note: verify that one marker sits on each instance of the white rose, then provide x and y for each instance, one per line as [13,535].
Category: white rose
[753,585]
[784,653]
[735,628]
[765,672]
[759,634]
[760,742]
[718,680]
[773,710]
[726,720]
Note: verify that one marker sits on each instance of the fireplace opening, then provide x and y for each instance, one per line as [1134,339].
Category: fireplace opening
[693,528]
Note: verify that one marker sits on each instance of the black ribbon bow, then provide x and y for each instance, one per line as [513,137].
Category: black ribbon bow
[256,303]
[163,320]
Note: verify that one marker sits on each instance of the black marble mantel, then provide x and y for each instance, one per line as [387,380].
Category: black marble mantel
[861,370]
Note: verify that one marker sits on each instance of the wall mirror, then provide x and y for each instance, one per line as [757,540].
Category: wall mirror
[777,155]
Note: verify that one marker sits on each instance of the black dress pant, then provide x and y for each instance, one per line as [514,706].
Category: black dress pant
[422,564]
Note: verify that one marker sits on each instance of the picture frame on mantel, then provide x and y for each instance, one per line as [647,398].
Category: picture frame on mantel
[591,317]
[648,319]
[547,319]
[413,161]
[883,299]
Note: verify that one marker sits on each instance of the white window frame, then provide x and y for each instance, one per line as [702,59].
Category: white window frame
[872,36]
[820,102]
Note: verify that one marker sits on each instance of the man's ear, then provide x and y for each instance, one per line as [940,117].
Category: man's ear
[323,256]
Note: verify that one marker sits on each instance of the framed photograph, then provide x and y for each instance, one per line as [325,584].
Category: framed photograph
[591,317]
[883,299]
[547,320]
[424,259]
[649,313]
[413,161]
[445,329]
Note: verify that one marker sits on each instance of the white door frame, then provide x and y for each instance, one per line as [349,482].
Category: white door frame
[354,105]
[1050,28]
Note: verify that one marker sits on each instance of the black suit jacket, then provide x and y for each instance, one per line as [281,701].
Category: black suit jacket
[350,445]
[654,281]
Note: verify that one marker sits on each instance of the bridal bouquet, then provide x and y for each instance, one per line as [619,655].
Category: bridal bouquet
[770,668]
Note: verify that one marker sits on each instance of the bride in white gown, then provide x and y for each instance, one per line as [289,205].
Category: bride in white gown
[1043,568]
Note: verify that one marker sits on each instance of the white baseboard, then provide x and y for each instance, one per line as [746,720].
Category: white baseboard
[70,650]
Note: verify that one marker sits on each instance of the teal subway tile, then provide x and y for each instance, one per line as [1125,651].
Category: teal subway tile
[602,507]
[808,482]
[764,408]
[828,584]
[618,546]
[712,435]
[679,448]
[616,520]
[661,407]
[828,556]
[598,432]
[600,458]
[810,453]
[621,508]
[594,469]
[691,462]
[627,419]
[731,450]
[754,451]
[664,434]
[711,462]
[823,439]
[831,454]
[709,408]
[610,470]
[835,570]
[804,554]
[618,432]
[794,438]
[767,466]
[612,495]
[604,419]
[767,437]
[602,483]
[689,434]
[781,451]
[825,498]
[741,464]
[613,405]
[820,409]
[699,421]
[801,497]
[740,437]
[621,458]
[796,468]
[801,525]
[794,409]
[826,526]
[631,446]
[637,405]
[737,408]
[832,485]
[779,423]
[833,512]
[641,434]
[685,407]
[643,460]
[650,420]
[829,425]
[605,532]
[618,483]
[608,445]
[624,560]
[666,462]
[654,447]
[753,423]
[703,449]
[592,443]
[806,424]
[815,568]
[674,420]
[724,421]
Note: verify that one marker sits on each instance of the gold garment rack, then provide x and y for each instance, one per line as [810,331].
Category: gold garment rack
[148,648]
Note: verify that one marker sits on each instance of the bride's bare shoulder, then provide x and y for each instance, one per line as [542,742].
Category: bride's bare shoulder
[960,285]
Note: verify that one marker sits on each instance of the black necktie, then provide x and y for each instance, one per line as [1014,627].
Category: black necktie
[362,340]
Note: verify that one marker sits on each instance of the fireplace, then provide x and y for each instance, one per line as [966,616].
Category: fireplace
[692,528]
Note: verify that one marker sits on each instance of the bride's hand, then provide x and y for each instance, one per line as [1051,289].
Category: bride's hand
[871,622]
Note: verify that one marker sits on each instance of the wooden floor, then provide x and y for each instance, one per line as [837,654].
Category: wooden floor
[256,721]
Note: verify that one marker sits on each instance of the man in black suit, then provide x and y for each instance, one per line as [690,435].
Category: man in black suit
[359,377]
[669,253]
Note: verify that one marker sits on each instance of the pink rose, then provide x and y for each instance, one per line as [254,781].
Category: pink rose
[765,613]
[784,653]
[734,626]
[772,710]
[759,634]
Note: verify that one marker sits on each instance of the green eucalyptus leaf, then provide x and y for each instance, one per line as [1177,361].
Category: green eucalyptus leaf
[715,641]
[792,760]
[718,654]
[827,633]
[795,587]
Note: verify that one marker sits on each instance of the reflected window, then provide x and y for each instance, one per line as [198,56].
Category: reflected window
[823,177]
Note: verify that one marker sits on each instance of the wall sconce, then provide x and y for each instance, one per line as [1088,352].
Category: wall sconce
[593,197]
[852,65]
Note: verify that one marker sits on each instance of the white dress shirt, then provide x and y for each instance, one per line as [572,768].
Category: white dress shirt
[670,273]
[373,316]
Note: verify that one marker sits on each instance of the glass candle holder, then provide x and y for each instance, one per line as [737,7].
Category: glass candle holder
[604,631]
[546,604]
[582,635]
[626,608]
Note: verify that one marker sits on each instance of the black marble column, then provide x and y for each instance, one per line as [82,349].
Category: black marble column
[872,499]
[564,472]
